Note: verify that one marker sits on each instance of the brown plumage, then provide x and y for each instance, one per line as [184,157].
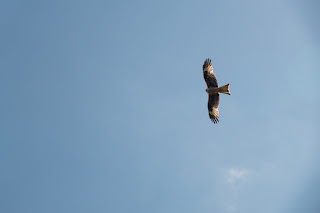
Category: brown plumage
[213,90]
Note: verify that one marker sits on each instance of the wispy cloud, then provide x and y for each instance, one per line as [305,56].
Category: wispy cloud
[235,175]
[231,208]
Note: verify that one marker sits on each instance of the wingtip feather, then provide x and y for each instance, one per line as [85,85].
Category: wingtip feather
[206,63]
[214,120]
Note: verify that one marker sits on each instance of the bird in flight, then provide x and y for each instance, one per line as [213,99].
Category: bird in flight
[213,90]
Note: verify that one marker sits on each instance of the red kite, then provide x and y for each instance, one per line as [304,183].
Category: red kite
[213,90]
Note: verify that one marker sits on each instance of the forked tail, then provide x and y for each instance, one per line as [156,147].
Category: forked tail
[224,89]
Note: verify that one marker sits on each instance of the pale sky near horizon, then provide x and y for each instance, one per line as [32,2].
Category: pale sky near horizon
[103,106]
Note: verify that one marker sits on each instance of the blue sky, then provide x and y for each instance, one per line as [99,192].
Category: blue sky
[103,106]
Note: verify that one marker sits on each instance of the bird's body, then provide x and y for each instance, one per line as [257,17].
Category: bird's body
[213,90]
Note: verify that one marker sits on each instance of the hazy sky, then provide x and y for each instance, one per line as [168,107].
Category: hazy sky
[103,106]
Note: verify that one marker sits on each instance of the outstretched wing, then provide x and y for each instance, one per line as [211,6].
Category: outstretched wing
[208,75]
[213,104]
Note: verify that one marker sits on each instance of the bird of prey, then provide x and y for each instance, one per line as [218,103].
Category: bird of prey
[213,90]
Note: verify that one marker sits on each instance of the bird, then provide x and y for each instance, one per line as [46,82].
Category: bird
[213,90]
